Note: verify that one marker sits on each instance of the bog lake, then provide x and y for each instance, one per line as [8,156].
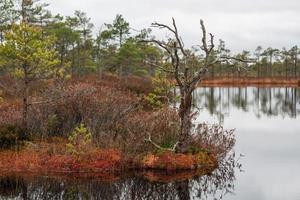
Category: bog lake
[267,131]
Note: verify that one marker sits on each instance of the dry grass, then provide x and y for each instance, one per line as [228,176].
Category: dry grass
[53,157]
[42,157]
[175,161]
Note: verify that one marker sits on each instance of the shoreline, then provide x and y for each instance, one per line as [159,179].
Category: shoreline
[251,81]
[110,176]
[103,163]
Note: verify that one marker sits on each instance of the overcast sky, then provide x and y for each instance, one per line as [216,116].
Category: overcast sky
[243,24]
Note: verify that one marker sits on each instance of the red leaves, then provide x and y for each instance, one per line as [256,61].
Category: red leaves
[39,160]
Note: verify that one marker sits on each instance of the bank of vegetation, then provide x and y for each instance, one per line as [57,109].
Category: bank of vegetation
[74,101]
[102,124]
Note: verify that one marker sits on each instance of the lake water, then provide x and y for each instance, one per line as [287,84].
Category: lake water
[267,134]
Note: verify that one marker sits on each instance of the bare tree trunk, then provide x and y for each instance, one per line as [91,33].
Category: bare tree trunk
[296,60]
[1,37]
[185,119]
[73,60]
[78,57]
[186,78]
[286,68]
[271,66]
[25,105]
[25,95]
[23,10]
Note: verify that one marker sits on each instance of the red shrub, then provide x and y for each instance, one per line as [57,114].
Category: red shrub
[10,113]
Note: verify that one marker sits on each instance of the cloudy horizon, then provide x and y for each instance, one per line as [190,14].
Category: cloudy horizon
[242,24]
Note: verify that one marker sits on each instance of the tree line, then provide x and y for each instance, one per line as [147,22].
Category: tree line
[116,47]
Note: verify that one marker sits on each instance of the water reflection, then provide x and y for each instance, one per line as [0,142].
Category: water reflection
[269,102]
[267,127]
[138,187]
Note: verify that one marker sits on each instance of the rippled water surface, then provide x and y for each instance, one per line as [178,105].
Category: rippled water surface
[267,127]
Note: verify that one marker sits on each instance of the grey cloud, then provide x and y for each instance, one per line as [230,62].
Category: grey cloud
[242,24]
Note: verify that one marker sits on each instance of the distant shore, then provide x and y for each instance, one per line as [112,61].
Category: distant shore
[252,81]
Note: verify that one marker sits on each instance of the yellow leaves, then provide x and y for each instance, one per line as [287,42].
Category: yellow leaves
[31,53]
[18,73]
[161,92]
[61,72]
[80,141]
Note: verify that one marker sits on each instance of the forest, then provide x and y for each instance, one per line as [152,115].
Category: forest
[75,97]
[116,47]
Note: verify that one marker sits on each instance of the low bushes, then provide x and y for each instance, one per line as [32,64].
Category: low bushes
[162,125]
[115,115]
[10,113]
[11,135]
[97,106]
[214,139]
[117,118]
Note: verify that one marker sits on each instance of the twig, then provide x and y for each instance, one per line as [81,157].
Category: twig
[158,146]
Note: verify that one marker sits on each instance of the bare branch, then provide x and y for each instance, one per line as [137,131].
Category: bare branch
[158,146]
[162,26]
[204,43]
[199,75]
[178,38]
[207,49]
[176,65]
[173,53]
[159,43]
[237,59]
[163,69]
[174,31]
[212,46]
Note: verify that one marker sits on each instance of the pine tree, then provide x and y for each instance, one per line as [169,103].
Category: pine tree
[29,57]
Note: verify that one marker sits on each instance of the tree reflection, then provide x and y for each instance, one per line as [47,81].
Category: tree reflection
[261,101]
[137,187]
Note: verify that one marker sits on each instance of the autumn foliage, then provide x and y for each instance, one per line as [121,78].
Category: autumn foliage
[95,124]
[53,157]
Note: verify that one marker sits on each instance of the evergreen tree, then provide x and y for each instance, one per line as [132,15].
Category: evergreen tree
[29,57]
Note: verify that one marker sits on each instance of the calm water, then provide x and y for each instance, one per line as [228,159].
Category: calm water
[267,133]
[267,126]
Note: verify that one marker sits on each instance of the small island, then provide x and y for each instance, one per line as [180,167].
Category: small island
[117,101]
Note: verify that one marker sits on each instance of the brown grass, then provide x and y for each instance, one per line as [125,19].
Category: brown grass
[175,161]
[44,158]
[53,157]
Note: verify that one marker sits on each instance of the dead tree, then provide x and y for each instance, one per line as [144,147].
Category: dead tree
[186,76]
